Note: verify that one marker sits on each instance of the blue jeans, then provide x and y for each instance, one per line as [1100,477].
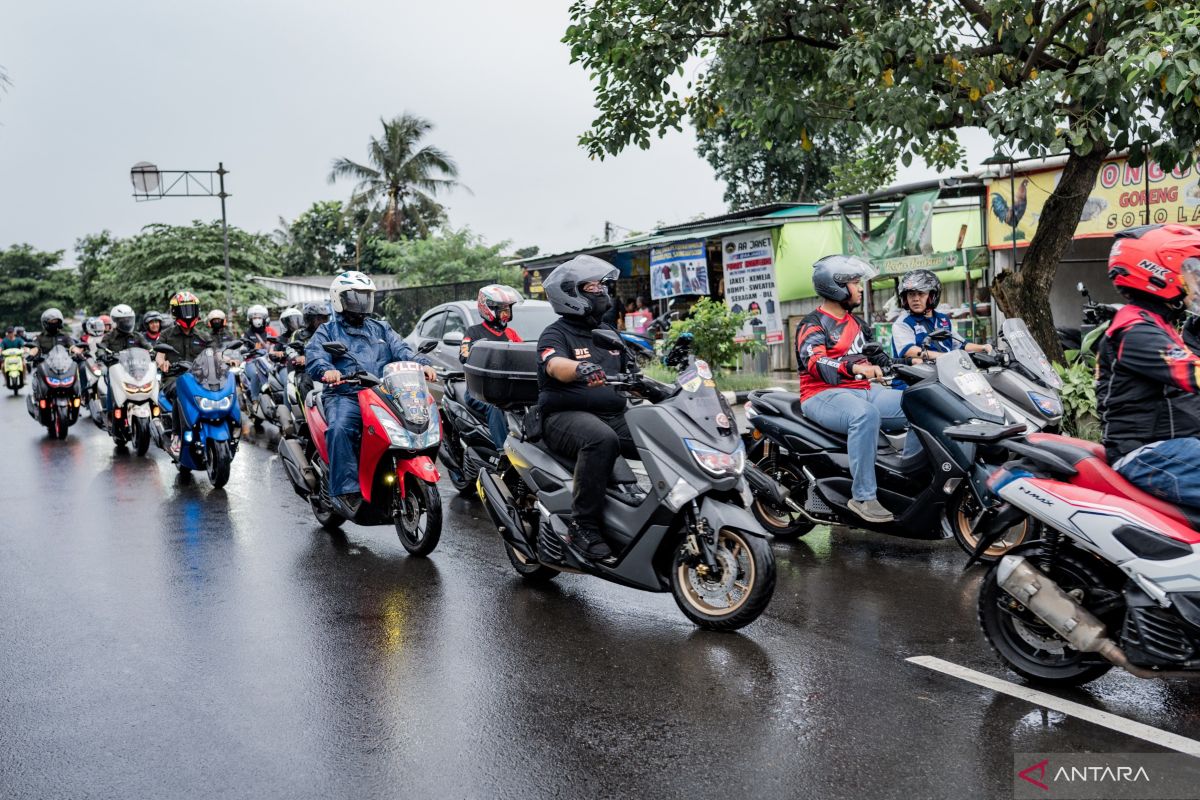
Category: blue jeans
[860,414]
[1169,470]
[342,438]
[497,424]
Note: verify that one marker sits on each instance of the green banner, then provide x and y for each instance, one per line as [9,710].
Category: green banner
[905,231]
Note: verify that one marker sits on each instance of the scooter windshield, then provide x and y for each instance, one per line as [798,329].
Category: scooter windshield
[700,400]
[1028,354]
[957,372]
[136,363]
[404,383]
[209,370]
[58,362]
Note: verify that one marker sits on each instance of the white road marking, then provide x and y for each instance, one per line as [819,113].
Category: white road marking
[1104,719]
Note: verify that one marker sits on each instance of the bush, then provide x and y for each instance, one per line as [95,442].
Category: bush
[713,326]
[1078,392]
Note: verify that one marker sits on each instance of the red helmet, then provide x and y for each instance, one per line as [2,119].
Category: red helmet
[1151,258]
[496,302]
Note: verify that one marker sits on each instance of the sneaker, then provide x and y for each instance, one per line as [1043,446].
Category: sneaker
[871,511]
[587,540]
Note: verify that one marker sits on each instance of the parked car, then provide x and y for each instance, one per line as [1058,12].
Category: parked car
[447,323]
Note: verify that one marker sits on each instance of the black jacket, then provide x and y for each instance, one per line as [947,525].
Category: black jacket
[187,344]
[1148,381]
[116,341]
[48,341]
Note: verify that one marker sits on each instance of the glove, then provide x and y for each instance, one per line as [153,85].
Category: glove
[880,359]
[590,373]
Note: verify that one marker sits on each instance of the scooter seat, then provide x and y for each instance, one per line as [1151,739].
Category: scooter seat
[621,472]
[787,405]
[1094,473]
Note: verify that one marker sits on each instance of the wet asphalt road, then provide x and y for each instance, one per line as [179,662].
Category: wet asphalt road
[162,639]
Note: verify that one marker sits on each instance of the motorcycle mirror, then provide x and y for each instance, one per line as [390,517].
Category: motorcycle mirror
[940,335]
[163,347]
[335,348]
[609,340]
[431,345]
[452,338]
[1079,287]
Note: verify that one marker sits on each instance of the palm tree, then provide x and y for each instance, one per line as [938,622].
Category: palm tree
[402,177]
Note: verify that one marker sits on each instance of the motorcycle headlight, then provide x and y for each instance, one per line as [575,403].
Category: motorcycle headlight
[717,462]
[1050,406]
[395,431]
[133,387]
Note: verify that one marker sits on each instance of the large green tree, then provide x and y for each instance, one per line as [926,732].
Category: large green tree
[91,252]
[321,241]
[448,257]
[1081,78]
[146,269]
[401,178]
[28,285]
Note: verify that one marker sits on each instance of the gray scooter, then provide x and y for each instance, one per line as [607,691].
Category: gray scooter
[682,526]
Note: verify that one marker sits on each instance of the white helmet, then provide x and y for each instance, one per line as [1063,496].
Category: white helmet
[123,318]
[352,293]
[291,319]
[257,312]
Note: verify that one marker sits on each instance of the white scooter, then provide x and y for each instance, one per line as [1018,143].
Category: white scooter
[133,382]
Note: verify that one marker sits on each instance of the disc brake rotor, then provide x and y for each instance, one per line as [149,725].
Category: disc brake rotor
[722,588]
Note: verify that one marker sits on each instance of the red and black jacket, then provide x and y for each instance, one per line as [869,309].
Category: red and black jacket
[1148,377]
[484,333]
[827,348]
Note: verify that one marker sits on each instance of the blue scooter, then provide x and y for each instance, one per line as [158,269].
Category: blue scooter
[205,410]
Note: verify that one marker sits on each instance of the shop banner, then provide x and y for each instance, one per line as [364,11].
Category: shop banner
[677,269]
[749,260]
[905,231]
[1117,201]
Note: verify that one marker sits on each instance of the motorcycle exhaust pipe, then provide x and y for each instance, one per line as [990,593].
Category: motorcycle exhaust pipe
[764,485]
[1079,627]
[300,472]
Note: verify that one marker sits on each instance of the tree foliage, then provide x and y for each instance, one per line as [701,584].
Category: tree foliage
[448,257]
[146,269]
[400,179]
[713,326]
[1084,78]
[321,241]
[28,285]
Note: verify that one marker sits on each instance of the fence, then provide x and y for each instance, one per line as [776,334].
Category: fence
[403,307]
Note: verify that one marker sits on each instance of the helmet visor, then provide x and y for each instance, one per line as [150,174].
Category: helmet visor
[124,324]
[1189,270]
[358,301]
[187,310]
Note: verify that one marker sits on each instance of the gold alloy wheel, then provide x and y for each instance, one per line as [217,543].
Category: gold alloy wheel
[726,592]
[1011,538]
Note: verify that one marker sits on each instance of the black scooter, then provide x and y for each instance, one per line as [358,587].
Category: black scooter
[958,419]
[467,445]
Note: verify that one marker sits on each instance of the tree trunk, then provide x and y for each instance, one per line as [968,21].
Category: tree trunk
[1026,293]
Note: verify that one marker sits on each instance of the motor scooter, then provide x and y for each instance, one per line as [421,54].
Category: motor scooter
[132,383]
[56,397]
[14,369]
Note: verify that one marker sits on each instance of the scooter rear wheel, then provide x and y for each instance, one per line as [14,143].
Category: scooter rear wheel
[737,594]
[1029,647]
[782,523]
[418,516]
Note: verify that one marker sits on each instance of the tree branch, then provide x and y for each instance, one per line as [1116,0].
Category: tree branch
[1039,49]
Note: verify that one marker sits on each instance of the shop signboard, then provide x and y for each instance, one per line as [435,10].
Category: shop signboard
[1117,201]
[749,260]
[679,268]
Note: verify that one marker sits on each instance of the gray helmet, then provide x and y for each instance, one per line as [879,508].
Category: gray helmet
[51,315]
[832,273]
[562,285]
[919,280]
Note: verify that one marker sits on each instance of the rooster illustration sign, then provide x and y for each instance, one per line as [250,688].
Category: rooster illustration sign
[1010,215]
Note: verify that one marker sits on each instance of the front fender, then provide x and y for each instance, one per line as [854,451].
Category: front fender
[215,429]
[420,467]
[720,514]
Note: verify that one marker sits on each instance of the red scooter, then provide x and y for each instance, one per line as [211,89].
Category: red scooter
[401,432]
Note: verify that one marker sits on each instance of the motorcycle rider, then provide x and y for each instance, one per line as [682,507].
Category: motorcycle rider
[496,303]
[1150,421]
[260,333]
[123,336]
[11,339]
[582,417]
[919,292]
[315,315]
[52,334]
[371,344]
[218,331]
[107,320]
[835,376]
[152,326]
[188,343]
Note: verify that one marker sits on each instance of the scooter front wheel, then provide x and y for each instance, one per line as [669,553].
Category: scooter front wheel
[733,595]
[141,435]
[220,459]
[418,516]
[961,516]
[530,571]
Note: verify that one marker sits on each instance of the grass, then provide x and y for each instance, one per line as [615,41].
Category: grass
[726,381]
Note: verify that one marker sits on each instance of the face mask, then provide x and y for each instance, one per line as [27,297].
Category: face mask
[354,320]
[54,326]
[599,303]
[217,324]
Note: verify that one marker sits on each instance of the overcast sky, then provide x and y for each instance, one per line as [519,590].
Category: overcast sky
[277,89]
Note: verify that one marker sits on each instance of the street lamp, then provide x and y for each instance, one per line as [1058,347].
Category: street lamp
[151,183]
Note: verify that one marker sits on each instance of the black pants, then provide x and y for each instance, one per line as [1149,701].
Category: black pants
[594,442]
